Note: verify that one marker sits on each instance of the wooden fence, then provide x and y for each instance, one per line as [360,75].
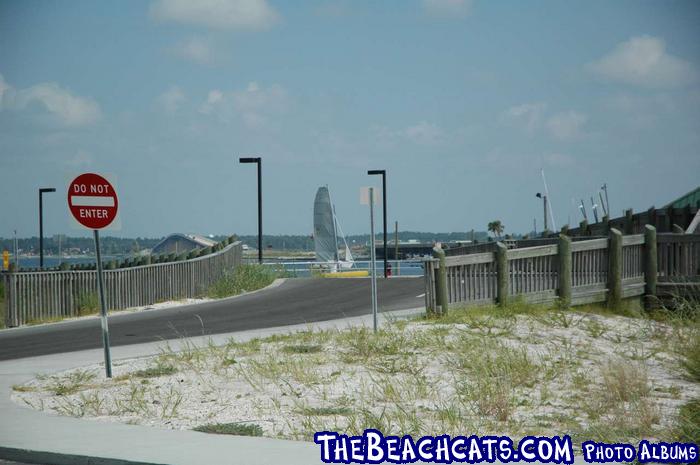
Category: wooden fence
[35,296]
[580,272]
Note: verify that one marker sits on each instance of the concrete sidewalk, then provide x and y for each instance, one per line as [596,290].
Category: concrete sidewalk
[37,437]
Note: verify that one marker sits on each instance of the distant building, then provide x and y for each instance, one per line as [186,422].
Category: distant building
[178,243]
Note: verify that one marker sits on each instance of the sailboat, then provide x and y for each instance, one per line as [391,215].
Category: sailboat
[326,233]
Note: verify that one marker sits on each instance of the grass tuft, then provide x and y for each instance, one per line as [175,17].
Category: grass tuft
[236,429]
[244,278]
[156,371]
[302,349]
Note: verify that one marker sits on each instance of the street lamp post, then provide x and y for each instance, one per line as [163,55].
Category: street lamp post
[258,161]
[41,222]
[383,173]
[544,198]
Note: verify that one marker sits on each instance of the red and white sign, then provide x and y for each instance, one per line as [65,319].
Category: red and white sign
[92,201]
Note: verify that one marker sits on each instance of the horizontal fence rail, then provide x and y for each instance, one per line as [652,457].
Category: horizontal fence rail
[35,296]
[600,270]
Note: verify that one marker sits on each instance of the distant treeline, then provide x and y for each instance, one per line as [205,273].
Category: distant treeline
[126,246]
[298,242]
[109,245]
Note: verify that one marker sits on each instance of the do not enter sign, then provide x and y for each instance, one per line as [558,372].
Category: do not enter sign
[92,201]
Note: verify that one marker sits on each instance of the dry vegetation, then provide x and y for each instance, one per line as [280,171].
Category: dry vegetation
[522,370]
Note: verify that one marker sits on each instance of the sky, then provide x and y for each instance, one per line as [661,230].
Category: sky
[462,102]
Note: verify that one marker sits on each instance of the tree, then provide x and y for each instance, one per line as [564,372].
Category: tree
[496,227]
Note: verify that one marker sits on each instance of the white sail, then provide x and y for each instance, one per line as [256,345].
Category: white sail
[326,233]
[325,238]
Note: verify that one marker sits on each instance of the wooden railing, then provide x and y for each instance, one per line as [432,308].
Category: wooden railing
[37,296]
[596,273]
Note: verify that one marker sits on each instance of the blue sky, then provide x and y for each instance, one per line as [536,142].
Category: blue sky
[462,102]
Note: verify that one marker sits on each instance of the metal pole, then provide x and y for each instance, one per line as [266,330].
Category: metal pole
[16,256]
[103,307]
[260,251]
[386,267]
[544,197]
[607,202]
[373,257]
[41,228]
[257,160]
[396,247]
[383,173]
[605,210]
[595,210]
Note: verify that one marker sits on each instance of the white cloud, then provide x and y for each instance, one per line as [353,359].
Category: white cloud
[217,14]
[447,8]
[68,109]
[424,133]
[644,61]
[253,105]
[566,125]
[528,115]
[4,87]
[198,50]
[214,98]
[171,99]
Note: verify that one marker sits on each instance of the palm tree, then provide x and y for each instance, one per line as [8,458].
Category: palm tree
[496,227]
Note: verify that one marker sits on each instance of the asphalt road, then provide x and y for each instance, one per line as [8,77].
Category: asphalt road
[296,301]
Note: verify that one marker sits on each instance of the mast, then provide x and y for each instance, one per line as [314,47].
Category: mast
[335,226]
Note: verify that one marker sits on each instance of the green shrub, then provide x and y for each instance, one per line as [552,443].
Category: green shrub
[244,278]
[86,304]
[688,425]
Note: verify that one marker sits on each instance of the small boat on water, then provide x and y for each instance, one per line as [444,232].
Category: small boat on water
[326,233]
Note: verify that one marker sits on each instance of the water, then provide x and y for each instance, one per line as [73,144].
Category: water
[53,261]
[302,269]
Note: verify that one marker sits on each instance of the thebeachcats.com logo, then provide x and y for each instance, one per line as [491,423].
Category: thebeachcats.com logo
[373,447]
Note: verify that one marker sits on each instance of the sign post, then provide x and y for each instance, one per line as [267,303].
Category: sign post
[367,196]
[93,203]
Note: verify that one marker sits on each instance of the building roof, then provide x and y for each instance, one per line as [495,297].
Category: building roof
[692,198]
[198,239]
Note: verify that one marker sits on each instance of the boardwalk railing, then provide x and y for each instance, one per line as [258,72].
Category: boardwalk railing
[35,296]
[596,270]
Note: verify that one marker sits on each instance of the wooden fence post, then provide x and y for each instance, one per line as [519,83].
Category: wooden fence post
[564,270]
[650,265]
[583,227]
[606,225]
[614,268]
[441,298]
[669,218]
[629,221]
[501,274]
